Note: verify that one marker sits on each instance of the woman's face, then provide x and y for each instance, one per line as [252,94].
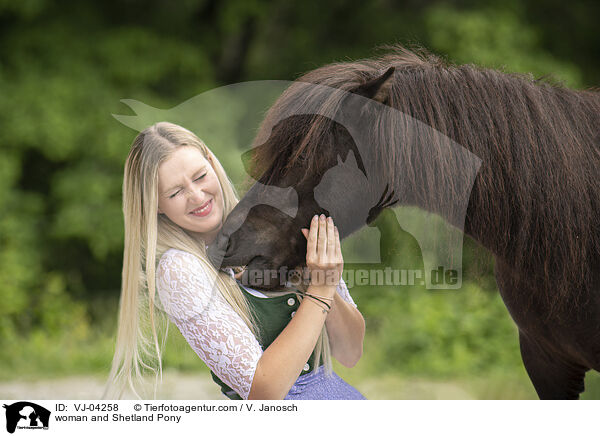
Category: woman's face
[190,194]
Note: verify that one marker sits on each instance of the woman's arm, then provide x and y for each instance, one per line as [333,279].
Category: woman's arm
[281,363]
[209,324]
[346,331]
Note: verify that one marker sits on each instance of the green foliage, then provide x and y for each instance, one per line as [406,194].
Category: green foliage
[496,38]
[439,333]
[88,200]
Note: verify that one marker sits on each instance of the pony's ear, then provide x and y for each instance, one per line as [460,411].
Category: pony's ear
[378,88]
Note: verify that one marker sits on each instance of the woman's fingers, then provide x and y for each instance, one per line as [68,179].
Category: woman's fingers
[338,244]
[322,239]
[325,236]
[323,250]
[330,237]
[311,244]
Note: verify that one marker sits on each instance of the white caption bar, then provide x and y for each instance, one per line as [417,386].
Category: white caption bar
[65,417]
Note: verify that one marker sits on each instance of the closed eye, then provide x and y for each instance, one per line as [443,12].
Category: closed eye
[195,180]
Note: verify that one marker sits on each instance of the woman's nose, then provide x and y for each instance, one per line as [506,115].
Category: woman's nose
[196,194]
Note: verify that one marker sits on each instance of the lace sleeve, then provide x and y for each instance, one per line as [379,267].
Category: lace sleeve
[208,323]
[342,289]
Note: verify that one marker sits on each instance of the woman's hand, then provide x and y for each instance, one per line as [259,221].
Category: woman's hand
[323,254]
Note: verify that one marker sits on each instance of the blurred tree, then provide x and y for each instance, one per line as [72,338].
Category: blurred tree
[495,38]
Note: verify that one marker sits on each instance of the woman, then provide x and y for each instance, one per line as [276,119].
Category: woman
[176,196]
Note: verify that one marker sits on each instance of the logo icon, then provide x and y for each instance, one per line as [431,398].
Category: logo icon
[26,415]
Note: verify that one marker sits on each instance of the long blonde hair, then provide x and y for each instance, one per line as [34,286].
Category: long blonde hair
[147,236]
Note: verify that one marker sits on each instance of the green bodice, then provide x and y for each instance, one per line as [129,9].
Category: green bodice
[273,315]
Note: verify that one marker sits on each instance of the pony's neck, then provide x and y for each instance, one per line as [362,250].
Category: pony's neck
[535,190]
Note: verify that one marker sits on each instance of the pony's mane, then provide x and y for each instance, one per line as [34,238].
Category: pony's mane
[536,198]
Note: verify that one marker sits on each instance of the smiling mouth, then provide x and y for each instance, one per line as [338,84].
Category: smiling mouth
[203,210]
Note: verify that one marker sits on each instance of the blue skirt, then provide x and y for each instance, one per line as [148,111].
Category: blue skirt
[316,385]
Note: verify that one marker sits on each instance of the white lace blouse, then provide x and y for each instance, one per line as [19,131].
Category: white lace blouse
[208,323]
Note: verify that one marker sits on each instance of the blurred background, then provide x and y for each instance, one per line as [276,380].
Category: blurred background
[65,66]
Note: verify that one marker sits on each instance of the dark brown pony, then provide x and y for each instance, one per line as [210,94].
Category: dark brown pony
[534,202]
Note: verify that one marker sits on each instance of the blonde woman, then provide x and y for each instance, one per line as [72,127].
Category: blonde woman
[176,196]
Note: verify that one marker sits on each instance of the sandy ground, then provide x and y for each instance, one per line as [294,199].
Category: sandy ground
[177,386]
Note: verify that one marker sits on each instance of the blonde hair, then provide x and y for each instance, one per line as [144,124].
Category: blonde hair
[147,236]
